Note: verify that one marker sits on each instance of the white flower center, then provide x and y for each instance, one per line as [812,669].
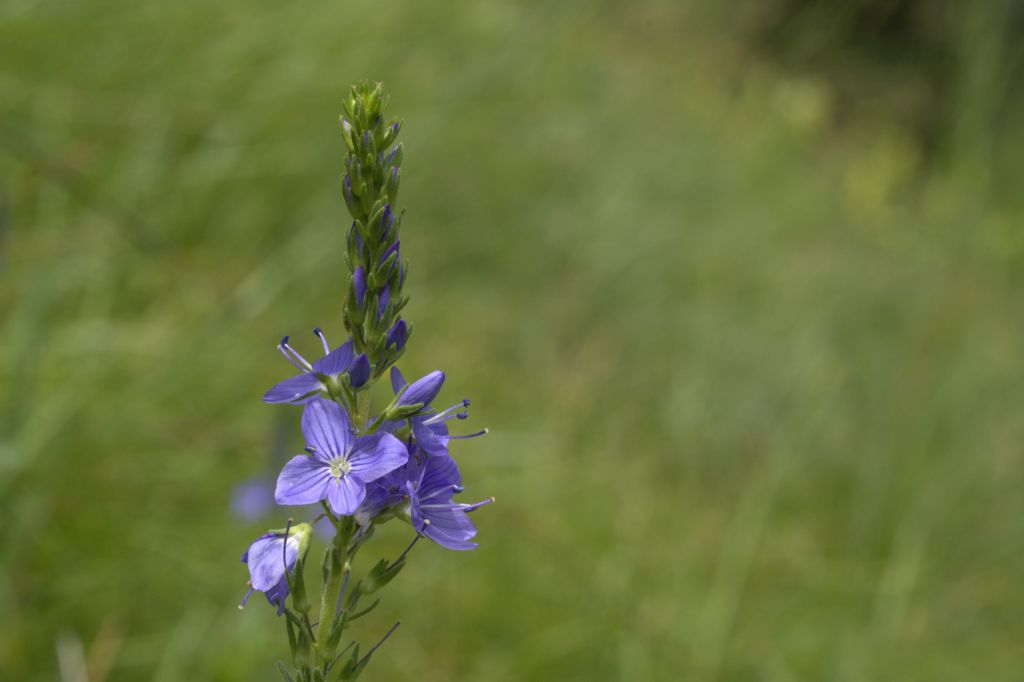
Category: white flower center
[339,466]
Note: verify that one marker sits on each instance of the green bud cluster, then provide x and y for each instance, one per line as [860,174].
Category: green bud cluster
[374,299]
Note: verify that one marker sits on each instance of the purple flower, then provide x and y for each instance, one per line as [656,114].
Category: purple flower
[431,509]
[269,558]
[339,464]
[320,377]
[430,428]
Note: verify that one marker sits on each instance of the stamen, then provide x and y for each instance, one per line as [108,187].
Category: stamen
[473,507]
[472,435]
[446,414]
[245,598]
[323,339]
[293,357]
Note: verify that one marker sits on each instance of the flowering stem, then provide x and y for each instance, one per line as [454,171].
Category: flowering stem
[394,465]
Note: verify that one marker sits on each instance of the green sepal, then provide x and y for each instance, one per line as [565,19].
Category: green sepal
[365,611]
[398,412]
[382,274]
[300,599]
[353,667]
[292,642]
[283,669]
[381,574]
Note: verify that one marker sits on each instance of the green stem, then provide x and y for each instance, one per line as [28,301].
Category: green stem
[336,568]
[362,415]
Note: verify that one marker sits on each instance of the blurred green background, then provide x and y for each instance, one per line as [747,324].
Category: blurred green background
[736,286]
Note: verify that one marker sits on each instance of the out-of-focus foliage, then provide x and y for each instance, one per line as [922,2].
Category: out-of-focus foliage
[945,70]
[750,349]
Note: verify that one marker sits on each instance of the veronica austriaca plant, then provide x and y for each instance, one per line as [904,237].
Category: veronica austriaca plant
[363,468]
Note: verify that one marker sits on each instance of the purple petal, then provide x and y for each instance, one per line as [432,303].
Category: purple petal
[390,250]
[277,594]
[423,390]
[397,380]
[345,494]
[433,438]
[382,301]
[450,528]
[266,560]
[302,481]
[376,456]
[335,362]
[327,429]
[397,335]
[293,390]
[388,219]
[440,479]
[359,285]
[359,373]
[378,497]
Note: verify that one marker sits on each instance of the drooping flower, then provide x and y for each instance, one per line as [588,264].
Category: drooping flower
[339,465]
[270,558]
[321,376]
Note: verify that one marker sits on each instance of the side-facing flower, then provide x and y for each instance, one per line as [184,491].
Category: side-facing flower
[271,557]
[339,465]
[431,509]
[430,428]
[322,376]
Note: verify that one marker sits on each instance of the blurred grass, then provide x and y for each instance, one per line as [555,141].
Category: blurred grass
[754,384]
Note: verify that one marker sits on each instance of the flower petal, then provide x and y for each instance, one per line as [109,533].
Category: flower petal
[327,429]
[302,481]
[277,594]
[335,362]
[359,373]
[440,479]
[397,335]
[266,560]
[397,380]
[423,390]
[345,494]
[359,284]
[377,455]
[433,438]
[293,390]
[450,528]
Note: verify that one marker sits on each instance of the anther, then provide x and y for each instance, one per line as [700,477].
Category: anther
[323,339]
